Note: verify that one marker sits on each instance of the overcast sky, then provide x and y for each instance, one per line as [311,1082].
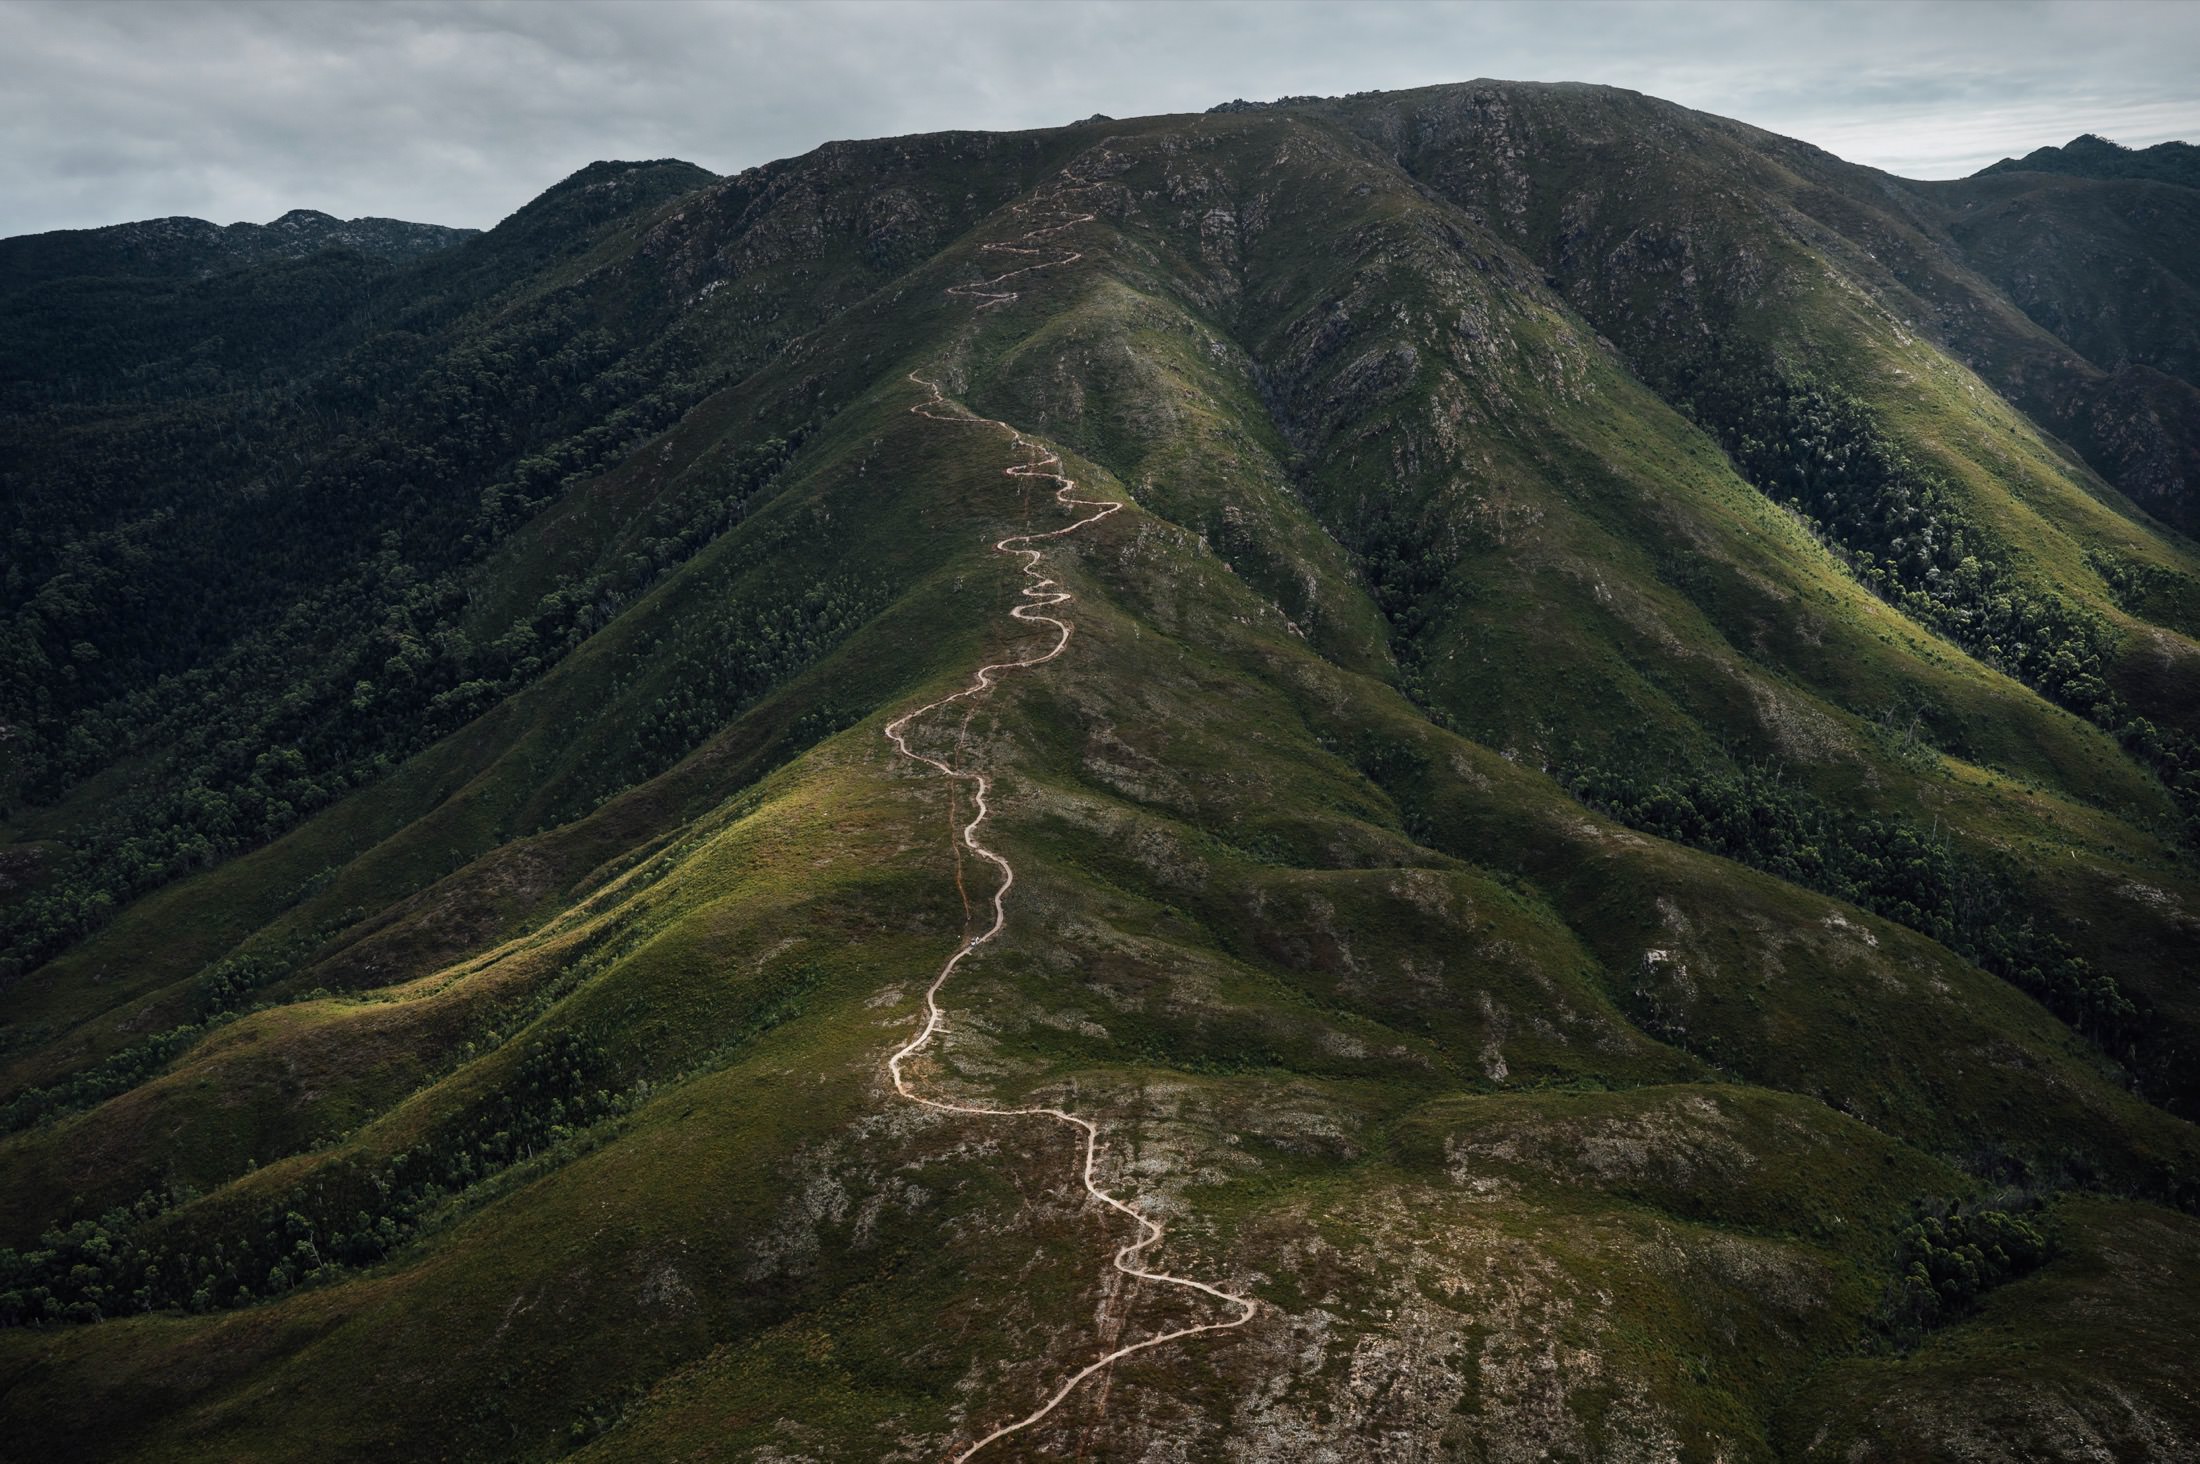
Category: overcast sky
[457,113]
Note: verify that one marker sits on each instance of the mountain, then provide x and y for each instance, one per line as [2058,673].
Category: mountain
[2088,156]
[1594,714]
[195,249]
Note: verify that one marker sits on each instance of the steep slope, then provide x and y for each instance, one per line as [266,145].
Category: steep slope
[2110,269]
[1658,579]
[542,1088]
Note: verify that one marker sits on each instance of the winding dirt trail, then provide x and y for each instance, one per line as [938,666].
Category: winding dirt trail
[1039,595]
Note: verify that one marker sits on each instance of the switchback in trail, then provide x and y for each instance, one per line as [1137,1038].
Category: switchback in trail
[1039,595]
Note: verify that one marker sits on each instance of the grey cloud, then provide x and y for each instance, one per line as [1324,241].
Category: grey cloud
[458,113]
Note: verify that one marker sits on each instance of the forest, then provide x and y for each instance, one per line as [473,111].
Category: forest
[148,1256]
[1889,866]
[249,579]
[1814,447]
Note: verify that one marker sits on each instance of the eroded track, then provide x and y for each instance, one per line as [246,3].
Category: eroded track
[1039,594]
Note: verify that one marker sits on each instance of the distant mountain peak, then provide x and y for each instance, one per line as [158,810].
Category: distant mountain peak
[2090,155]
[561,215]
[616,170]
[194,248]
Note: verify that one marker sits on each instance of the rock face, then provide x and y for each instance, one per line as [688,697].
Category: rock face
[1613,841]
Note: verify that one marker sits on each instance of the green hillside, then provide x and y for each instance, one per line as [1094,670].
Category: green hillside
[1611,840]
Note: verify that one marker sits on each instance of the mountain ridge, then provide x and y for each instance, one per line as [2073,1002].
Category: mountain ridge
[1594,851]
[2092,156]
[195,248]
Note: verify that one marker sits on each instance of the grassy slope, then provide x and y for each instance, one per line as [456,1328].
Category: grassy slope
[1371,1005]
[2080,1361]
[1676,614]
[1660,223]
[1179,899]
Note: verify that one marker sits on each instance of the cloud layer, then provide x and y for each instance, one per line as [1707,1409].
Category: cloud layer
[459,112]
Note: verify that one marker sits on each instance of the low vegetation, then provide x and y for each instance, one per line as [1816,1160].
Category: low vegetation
[1613,842]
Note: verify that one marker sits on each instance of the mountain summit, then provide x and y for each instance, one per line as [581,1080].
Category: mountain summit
[1497,771]
[2089,156]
